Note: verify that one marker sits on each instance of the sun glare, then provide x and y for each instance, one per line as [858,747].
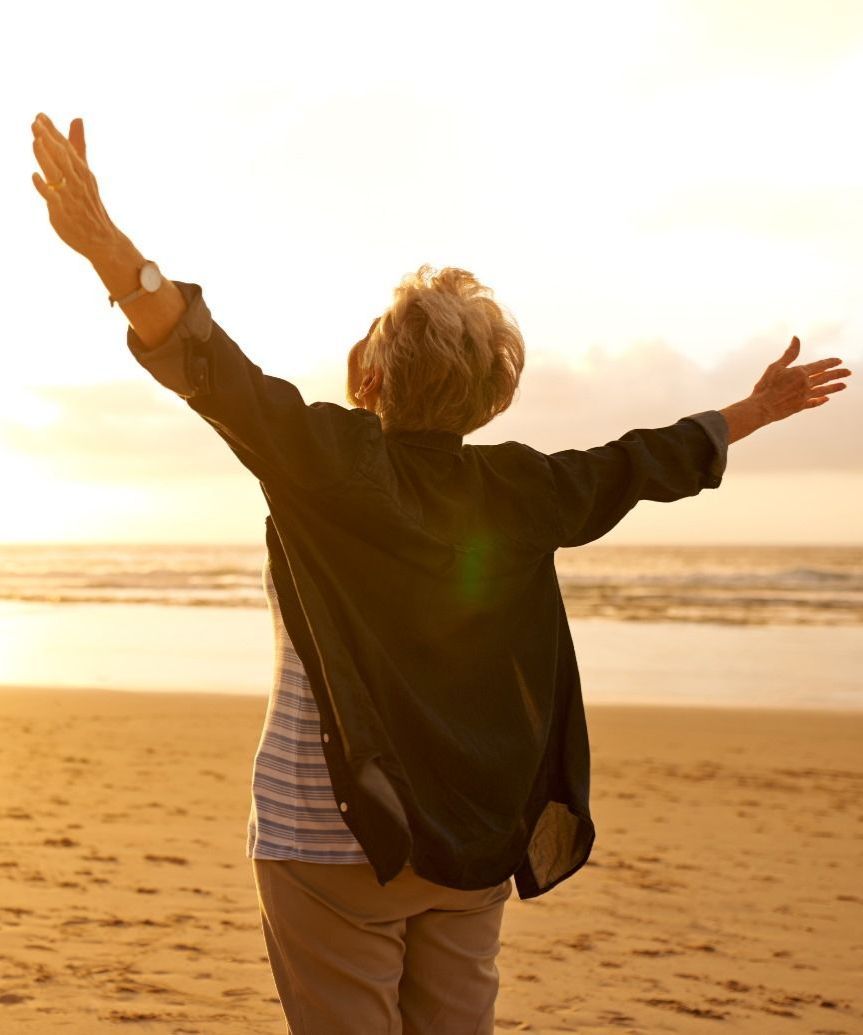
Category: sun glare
[42,507]
[26,408]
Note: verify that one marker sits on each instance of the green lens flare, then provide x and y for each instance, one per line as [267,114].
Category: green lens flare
[476,564]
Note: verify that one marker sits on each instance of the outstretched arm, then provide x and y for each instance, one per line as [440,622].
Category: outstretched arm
[78,216]
[262,418]
[597,487]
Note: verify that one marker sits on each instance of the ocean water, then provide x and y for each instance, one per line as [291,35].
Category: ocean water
[808,585]
[727,626]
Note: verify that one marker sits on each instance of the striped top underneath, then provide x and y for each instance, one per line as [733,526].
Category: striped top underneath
[294,814]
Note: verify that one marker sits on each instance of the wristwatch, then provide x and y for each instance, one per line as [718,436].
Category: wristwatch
[150,278]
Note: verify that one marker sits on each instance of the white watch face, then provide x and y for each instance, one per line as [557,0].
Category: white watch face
[151,278]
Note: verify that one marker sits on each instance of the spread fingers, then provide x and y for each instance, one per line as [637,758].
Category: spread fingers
[825,389]
[57,146]
[818,365]
[827,375]
[53,172]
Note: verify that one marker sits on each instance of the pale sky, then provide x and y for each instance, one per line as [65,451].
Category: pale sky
[662,193]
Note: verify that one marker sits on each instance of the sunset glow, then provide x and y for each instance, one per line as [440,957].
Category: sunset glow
[299,720]
[666,186]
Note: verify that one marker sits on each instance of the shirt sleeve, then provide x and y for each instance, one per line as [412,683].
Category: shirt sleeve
[597,487]
[263,418]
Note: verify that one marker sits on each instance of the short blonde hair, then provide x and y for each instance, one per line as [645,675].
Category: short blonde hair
[450,356]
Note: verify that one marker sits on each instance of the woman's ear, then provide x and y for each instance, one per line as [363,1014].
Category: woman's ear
[371,383]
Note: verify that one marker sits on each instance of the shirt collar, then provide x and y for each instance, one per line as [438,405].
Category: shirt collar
[447,441]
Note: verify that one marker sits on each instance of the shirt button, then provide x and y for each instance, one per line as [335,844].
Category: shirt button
[326,738]
[344,806]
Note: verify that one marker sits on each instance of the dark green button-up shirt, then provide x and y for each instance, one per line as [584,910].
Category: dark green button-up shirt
[416,579]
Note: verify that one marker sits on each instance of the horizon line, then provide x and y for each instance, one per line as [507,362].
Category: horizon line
[258,542]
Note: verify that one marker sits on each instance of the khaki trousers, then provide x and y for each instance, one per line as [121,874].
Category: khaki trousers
[350,957]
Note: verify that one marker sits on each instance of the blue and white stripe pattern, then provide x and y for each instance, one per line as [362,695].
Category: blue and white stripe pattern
[294,814]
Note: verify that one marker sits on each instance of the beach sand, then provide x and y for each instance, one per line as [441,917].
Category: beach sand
[723,892]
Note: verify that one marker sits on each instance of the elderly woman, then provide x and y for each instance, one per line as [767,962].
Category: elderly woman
[425,741]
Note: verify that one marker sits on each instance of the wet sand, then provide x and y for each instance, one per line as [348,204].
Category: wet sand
[723,892]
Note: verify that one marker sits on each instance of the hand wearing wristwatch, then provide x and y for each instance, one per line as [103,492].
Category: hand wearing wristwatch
[150,279]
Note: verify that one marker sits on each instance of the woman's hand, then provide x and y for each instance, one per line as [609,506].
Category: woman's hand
[74,207]
[783,389]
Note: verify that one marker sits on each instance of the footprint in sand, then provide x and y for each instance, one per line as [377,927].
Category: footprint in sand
[134,1018]
[693,1011]
[16,911]
[613,1017]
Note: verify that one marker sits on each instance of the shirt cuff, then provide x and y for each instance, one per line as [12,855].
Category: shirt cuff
[177,363]
[716,428]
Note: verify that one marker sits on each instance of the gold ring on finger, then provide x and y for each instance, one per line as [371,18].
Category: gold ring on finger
[57,185]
